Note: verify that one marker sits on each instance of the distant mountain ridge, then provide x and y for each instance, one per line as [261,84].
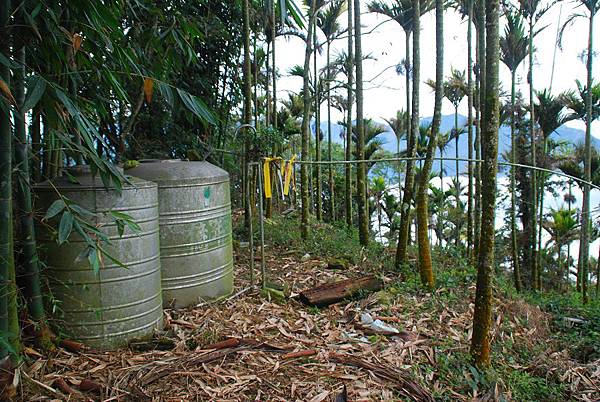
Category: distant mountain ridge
[563,133]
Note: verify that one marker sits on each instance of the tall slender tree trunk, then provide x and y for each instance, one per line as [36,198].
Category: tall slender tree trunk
[319,184]
[247,110]
[6,232]
[470,128]
[361,174]
[481,62]
[584,249]
[306,124]
[9,322]
[29,262]
[329,145]
[401,250]
[425,267]
[407,69]
[482,317]
[534,266]
[542,185]
[350,96]
[274,65]
[513,189]
[457,230]
[255,78]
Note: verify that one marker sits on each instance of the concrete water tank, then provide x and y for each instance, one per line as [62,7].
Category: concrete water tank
[106,309]
[195,229]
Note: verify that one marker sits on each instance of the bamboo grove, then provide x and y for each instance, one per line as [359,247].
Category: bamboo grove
[109,83]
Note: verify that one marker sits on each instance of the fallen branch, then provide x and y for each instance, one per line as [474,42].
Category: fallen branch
[406,386]
[227,343]
[331,293]
[300,353]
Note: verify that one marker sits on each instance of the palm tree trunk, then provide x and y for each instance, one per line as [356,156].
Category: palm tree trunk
[542,185]
[361,175]
[403,236]
[274,65]
[470,128]
[513,198]
[247,109]
[350,96]
[425,267]
[319,195]
[443,199]
[584,249]
[306,124]
[568,242]
[533,240]
[482,317]
[255,78]
[457,238]
[597,275]
[329,145]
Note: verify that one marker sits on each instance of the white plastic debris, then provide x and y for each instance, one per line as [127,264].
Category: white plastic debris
[305,257]
[376,325]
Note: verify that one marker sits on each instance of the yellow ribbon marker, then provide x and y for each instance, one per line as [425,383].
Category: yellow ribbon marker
[289,169]
[267,175]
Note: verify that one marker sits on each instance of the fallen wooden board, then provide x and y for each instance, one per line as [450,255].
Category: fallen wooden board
[331,293]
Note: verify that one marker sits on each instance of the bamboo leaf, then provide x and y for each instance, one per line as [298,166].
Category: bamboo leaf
[196,106]
[35,89]
[8,62]
[65,227]
[94,260]
[166,93]
[56,207]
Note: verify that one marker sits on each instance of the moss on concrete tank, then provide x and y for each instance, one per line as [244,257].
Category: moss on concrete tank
[195,229]
[108,309]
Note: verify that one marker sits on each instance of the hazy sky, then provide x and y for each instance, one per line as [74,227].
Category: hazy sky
[385,93]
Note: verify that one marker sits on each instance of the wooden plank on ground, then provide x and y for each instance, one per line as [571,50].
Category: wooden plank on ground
[331,293]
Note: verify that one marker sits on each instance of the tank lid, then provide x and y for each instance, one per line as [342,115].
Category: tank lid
[85,170]
[176,170]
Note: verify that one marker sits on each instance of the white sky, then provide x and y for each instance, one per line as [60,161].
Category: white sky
[386,94]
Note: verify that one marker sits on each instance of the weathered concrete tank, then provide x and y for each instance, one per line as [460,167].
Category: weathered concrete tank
[195,229]
[108,309]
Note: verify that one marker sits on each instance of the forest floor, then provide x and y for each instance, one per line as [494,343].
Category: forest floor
[535,356]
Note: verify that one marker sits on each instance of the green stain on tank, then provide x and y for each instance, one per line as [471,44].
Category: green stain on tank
[207,192]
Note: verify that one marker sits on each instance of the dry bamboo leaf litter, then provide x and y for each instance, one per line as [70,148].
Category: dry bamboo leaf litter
[248,348]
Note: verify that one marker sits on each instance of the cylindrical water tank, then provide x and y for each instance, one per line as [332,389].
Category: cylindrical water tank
[195,229]
[106,309]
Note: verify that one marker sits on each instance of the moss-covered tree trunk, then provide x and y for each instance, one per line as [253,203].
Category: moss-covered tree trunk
[425,266]
[306,124]
[409,180]
[350,96]
[482,317]
[481,64]
[361,174]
